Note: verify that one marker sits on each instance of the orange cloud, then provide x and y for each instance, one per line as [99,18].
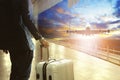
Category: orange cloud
[60,10]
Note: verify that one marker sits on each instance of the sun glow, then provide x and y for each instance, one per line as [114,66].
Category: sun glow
[87,42]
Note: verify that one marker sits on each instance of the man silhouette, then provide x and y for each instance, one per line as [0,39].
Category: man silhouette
[15,29]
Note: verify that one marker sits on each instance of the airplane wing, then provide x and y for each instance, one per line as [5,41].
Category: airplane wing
[99,31]
[88,32]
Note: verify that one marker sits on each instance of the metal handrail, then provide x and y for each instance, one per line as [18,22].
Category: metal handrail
[110,50]
[104,55]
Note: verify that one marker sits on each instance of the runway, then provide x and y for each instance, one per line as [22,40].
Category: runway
[86,67]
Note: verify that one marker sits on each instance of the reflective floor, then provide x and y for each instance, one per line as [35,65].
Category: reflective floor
[86,67]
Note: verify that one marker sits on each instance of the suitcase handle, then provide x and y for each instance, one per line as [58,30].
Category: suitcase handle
[41,52]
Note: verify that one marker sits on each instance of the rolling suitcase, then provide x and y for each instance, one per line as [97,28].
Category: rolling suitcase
[61,69]
[55,70]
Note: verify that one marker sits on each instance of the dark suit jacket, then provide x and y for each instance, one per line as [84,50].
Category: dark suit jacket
[14,20]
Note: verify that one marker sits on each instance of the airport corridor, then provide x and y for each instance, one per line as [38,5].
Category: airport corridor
[86,67]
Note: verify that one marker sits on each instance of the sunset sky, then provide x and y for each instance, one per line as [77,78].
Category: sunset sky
[93,13]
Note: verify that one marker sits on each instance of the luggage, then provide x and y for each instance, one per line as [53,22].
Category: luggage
[61,69]
[44,54]
[55,70]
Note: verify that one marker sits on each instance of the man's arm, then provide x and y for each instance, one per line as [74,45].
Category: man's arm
[27,21]
[29,24]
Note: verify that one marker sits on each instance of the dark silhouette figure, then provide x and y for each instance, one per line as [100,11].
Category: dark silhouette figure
[15,29]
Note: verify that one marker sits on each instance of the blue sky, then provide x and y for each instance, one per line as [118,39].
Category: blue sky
[93,9]
[93,13]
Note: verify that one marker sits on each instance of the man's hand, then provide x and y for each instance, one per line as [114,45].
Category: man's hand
[44,43]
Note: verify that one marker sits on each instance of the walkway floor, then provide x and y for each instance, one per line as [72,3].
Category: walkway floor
[86,67]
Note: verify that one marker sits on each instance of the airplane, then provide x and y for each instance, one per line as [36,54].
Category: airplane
[88,31]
